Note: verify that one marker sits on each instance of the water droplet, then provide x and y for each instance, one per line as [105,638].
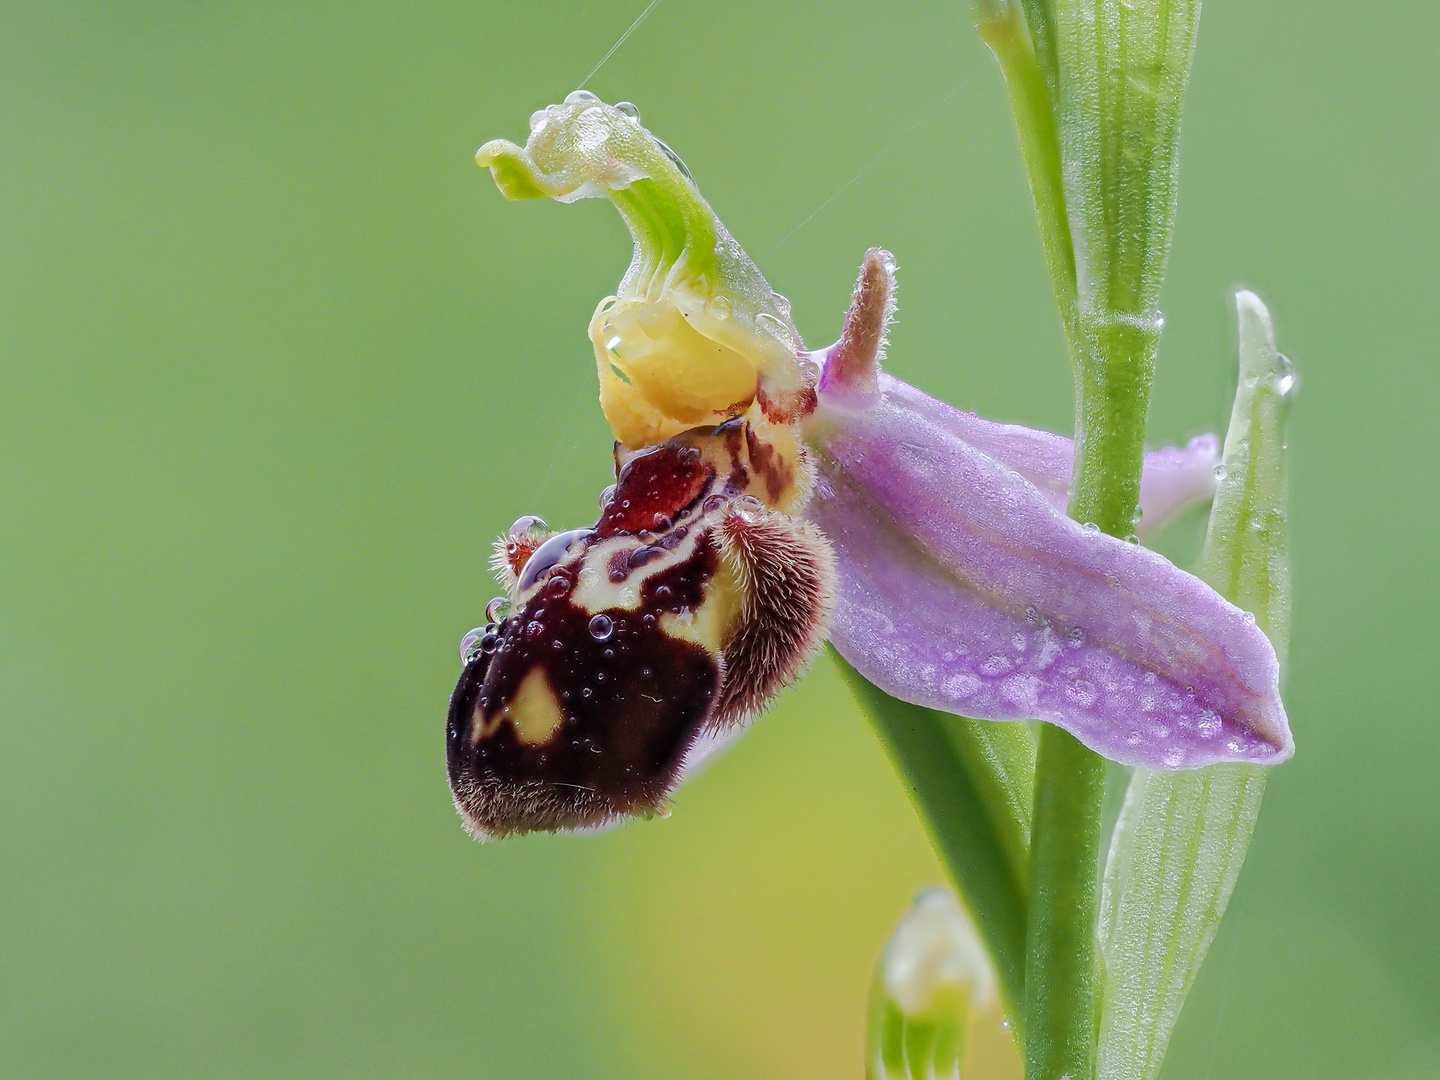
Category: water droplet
[601,628]
[1132,539]
[781,302]
[1220,472]
[559,584]
[1174,756]
[1285,380]
[497,609]
[713,503]
[524,524]
[629,108]
[1159,320]
[675,159]
[718,307]
[539,119]
[1250,617]
[642,555]
[749,503]
[587,692]
[548,554]
[606,496]
[1090,527]
[775,328]
[470,644]
[646,673]
[1076,636]
[662,521]
[1139,513]
[613,343]
[580,97]
[534,628]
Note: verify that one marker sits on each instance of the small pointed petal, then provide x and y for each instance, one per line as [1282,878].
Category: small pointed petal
[963,589]
[1174,478]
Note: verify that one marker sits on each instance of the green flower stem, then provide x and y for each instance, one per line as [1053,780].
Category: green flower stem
[1061,989]
[971,781]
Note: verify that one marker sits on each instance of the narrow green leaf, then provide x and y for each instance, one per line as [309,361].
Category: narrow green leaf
[1182,836]
[970,780]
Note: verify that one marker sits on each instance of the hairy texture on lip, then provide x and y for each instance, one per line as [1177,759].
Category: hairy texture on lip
[962,588]
[786,572]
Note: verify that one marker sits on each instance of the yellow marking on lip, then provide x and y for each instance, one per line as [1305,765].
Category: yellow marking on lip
[534,712]
[709,622]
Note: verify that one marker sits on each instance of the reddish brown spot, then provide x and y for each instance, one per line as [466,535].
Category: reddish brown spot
[769,466]
[653,488]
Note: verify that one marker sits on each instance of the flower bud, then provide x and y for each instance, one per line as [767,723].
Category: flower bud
[931,975]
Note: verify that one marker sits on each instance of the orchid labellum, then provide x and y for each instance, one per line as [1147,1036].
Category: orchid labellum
[767,497]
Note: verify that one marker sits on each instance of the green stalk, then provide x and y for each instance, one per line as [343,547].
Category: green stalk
[970,781]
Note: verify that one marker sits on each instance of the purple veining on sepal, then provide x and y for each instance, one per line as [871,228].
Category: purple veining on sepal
[963,588]
[1174,478]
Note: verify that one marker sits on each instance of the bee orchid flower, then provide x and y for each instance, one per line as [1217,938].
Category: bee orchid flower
[767,497]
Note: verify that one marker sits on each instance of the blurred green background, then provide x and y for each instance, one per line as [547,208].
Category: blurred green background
[278,362]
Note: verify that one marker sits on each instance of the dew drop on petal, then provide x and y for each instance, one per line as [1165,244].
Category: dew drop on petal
[497,609]
[1090,527]
[524,524]
[1220,472]
[548,554]
[470,644]
[718,308]
[629,108]
[601,627]
[580,97]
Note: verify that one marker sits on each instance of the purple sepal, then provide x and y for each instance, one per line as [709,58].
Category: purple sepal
[1173,478]
[963,588]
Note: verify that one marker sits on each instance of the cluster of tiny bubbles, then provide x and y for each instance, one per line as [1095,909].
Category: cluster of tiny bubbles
[629,108]
[581,97]
[601,627]
[497,609]
[524,524]
[718,307]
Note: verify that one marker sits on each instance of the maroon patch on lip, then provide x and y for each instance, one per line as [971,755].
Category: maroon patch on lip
[653,489]
[632,700]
